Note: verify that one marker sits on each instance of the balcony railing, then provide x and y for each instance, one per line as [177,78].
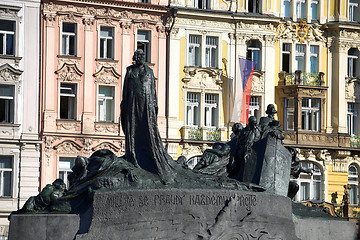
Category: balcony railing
[300,78]
[195,133]
[201,133]
[213,134]
[355,141]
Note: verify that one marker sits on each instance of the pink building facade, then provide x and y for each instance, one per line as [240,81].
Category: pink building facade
[86,47]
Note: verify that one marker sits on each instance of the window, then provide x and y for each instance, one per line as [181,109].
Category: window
[352,118]
[6,176]
[69,39]
[310,114]
[353,56]
[202,4]
[65,165]
[7,37]
[289,114]
[211,52]
[254,6]
[353,10]
[67,101]
[143,42]
[144,1]
[300,57]
[194,50]
[287,8]
[211,110]
[310,186]
[353,181]
[106,103]
[314,9]
[192,109]
[7,104]
[286,56]
[254,107]
[314,59]
[300,8]
[106,42]
[254,53]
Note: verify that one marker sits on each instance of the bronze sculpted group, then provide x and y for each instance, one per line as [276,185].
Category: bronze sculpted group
[247,162]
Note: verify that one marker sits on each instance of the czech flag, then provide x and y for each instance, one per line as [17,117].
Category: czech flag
[243,91]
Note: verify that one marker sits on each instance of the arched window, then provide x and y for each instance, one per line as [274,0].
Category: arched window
[310,186]
[353,56]
[353,180]
[254,53]
[191,163]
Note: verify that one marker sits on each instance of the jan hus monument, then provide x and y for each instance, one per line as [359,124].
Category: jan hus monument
[238,190]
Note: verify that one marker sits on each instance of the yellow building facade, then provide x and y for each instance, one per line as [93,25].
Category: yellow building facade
[306,54]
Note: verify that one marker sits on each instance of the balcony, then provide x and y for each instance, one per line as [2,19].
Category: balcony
[211,134]
[300,78]
[354,141]
[309,138]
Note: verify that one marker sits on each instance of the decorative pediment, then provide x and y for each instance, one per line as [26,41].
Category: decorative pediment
[69,72]
[106,145]
[107,75]
[258,85]
[68,146]
[9,73]
[203,77]
[352,90]
[301,31]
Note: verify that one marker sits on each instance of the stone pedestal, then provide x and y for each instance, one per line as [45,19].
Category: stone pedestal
[174,214]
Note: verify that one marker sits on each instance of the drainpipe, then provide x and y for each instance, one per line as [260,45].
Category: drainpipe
[173,14]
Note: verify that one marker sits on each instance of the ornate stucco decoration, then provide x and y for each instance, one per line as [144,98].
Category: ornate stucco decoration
[258,84]
[107,75]
[70,16]
[68,125]
[69,72]
[186,22]
[192,150]
[68,146]
[301,31]
[126,27]
[49,148]
[50,19]
[89,23]
[255,26]
[9,73]
[144,23]
[161,30]
[87,143]
[352,90]
[9,13]
[202,77]
[106,127]
[107,145]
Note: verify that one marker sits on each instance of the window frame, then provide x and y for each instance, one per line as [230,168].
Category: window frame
[256,6]
[255,105]
[285,52]
[211,47]
[75,107]
[353,180]
[6,33]
[192,58]
[2,170]
[353,8]
[251,50]
[305,178]
[202,4]
[208,107]
[352,118]
[65,170]
[315,118]
[195,121]
[105,45]
[353,63]
[68,34]
[11,105]
[106,98]
[146,43]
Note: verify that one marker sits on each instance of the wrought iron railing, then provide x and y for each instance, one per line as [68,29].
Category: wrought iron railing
[195,133]
[355,141]
[300,78]
[213,134]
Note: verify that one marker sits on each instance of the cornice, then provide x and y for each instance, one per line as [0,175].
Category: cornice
[114,3]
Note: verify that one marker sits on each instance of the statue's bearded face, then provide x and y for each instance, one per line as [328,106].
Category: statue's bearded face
[139,57]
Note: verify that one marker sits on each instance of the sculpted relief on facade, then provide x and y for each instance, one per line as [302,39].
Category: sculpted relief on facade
[107,75]
[9,74]
[68,147]
[258,85]
[69,72]
[352,90]
[202,78]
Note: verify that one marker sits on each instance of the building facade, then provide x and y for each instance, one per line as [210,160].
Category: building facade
[19,107]
[86,47]
[306,54]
